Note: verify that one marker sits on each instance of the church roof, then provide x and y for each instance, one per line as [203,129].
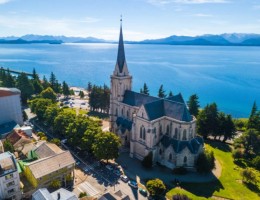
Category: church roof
[121,51]
[137,99]
[193,145]
[165,107]
[177,98]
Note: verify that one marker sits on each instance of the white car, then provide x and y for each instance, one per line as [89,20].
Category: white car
[124,178]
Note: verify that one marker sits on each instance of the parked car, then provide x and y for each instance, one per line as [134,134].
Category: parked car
[143,192]
[124,178]
[109,167]
[133,184]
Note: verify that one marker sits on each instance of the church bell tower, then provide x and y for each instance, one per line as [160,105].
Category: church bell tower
[121,81]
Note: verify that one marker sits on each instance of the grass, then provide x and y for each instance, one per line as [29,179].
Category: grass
[183,191]
[228,186]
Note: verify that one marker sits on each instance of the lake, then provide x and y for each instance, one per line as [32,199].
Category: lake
[229,76]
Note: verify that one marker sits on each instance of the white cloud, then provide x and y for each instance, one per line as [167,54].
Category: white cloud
[4,1]
[202,15]
[164,2]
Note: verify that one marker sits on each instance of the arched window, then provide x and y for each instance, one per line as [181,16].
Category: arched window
[171,128]
[167,130]
[160,152]
[160,129]
[127,113]
[142,115]
[154,130]
[116,112]
[170,156]
[122,111]
[143,133]
[191,132]
[184,136]
[176,133]
[185,160]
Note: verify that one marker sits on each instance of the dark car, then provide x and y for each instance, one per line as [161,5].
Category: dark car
[133,184]
[143,192]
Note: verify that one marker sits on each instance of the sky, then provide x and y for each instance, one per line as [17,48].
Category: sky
[142,19]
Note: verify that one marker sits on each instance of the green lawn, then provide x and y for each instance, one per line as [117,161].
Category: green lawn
[229,184]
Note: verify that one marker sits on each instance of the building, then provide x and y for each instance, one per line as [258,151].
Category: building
[1,147]
[10,105]
[47,163]
[9,177]
[151,124]
[7,128]
[18,139]
[60,194]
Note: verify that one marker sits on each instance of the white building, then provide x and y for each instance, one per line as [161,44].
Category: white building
[9,177]
[151,124]
[10,105]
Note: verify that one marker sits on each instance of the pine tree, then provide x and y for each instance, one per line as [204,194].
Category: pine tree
[161,92]
[145,89]
[170,94]
[65,89]
[45,82]
[193,105]
[254,118]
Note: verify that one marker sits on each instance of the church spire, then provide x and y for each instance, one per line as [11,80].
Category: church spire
[121,51]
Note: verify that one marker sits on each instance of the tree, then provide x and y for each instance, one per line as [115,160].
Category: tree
[147,162]
[51,113]
[38,88]
[170,94]
[180,197]
[55,141]
[61,122]
[155,187]
[48,93]
[39,106]
[81,94]
[45,83]
[193,105]
[249,176]
[26,87]
[161,92]
[89,88]
[89,137]
[256,162]
[9,80]
[65,89]
[8,146]
[229,129]
[207,121]
[55,184]
[205,162]
[254,118]
[82,194]
[52,80]
[250,141]
[145,89]
[106,146]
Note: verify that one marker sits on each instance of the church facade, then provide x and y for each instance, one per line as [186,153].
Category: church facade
[150,124]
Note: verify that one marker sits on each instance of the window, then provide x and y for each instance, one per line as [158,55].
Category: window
[10,184]
[116,112]
[167,130]
[122,112]
[170,157]
[160,152]
[154,130]
[11,191]
[127,113]
[191,133]
[171,128]
[185,160]
[176,133]
[143,133]
[160,129]
[9,176]
[184,137]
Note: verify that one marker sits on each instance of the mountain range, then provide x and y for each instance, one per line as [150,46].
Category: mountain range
[226,39]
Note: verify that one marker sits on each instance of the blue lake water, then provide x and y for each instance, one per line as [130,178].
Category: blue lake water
[229,76]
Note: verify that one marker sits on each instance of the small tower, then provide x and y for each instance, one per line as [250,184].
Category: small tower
[120,81]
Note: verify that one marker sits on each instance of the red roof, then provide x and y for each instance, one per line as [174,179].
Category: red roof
[4,92]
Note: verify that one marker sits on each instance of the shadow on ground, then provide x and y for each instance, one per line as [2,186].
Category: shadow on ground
[219,145]
[203,189]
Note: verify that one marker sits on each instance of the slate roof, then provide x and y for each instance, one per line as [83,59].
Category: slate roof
[176,98]
[165,107]
[137,99]
[124,123]
[193,145]
[121,51]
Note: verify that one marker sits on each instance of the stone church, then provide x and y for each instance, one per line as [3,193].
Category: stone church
[151,124]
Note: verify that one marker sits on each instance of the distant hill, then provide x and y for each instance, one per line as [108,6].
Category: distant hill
[225,39]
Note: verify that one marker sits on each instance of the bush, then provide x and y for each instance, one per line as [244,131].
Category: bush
[205,162]
[180,170]
[155,187]
[249,176]
[147,162]
[82,194]
[238,153]
[180,197]
[56,184]
[256,162]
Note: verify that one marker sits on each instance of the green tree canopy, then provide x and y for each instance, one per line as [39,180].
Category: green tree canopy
[170,94]
[145,89]
[26,87]
[65,89]
[48,93]
[64,118]
[39,106]
[106,146]
[51,113]
[205,162]
[155,187]
[254,118]
[8,146]
[193,105]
